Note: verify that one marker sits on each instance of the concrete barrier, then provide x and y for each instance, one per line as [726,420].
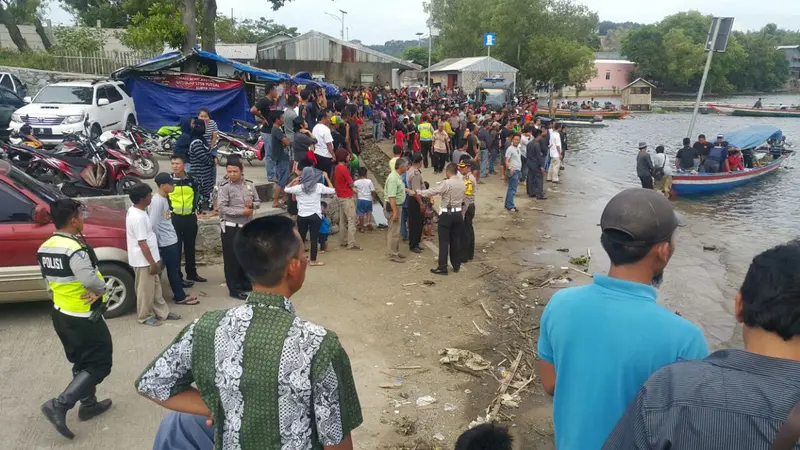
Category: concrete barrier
[209,245]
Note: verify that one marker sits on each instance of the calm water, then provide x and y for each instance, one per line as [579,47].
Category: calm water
[699,284]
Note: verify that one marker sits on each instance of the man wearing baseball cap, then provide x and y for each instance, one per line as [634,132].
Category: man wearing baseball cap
[600,342]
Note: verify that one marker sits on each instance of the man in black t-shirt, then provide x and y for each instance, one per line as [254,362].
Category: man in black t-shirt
[685,159]
[702,146]
[264,110]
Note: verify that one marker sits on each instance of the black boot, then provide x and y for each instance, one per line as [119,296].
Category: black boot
[90,407]
[55,410]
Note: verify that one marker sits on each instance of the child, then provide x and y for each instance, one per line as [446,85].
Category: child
[324,228]
[487,436]
[366,193]
[399,137]
[427,203]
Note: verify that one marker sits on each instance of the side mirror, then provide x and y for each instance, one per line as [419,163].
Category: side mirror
[27,99]
[102,101]
[41,215]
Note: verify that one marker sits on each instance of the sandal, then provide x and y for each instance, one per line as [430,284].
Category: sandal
[173,316]
[152,321]
[188,301]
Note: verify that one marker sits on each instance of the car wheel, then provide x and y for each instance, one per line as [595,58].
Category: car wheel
[120,288]
[130,122]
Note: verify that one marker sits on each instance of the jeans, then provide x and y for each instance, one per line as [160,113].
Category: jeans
[484,162]
[171,256]
[492,159]
[267,138]
[404,223]
[182,431]
[513,181]
[376,131]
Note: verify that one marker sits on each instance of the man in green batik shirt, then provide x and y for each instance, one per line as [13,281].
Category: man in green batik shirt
[232,357]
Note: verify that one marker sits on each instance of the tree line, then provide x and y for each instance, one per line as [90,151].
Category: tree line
[671,55]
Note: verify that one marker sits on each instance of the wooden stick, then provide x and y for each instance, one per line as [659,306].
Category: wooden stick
[474,373]
[506,383]
[487,272]
[582,272]
[406,367]
[485,333]
[486,311]
[547,282]
[548,213]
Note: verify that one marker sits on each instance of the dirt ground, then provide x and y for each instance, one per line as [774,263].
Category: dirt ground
[392,321]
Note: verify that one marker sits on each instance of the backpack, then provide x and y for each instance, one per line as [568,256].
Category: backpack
[658,172]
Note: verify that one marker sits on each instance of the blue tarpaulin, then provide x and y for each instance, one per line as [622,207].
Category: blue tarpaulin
[258,73]
[304,78]
[753,136]
[158,105]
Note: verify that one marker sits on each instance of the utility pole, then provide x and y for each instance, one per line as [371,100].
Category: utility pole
[419,39]
[340,19]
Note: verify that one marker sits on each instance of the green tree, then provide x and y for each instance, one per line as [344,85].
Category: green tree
[161,26]
[684,59]
[18,12]
[419,55]
[78,39]
[249,31]
[644,47]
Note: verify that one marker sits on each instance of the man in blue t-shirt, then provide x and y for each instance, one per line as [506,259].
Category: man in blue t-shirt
[600,342]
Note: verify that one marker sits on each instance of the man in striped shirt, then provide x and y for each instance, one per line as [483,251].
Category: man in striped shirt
[733,399]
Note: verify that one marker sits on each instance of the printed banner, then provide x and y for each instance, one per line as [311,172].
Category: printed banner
[191,81]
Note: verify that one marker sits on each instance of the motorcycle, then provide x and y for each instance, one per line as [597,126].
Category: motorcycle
[106,171]
[229,145]
[251,130]
[17,139]
[168,134]
[144,164]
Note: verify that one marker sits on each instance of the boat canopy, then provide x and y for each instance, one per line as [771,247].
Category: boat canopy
[753,136]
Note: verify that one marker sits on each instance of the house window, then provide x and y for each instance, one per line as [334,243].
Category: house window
[608,74]
[367,78]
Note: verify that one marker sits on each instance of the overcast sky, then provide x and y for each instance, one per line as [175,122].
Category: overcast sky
[377,21]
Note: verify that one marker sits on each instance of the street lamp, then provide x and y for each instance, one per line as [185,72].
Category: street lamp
[340,19]
[419,39]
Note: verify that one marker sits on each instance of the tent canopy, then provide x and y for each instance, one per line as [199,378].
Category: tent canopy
[176,59]
[753,136]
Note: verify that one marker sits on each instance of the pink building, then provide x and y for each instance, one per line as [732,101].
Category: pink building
[612,75]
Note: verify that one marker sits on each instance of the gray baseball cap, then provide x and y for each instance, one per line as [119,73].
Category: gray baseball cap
[646,216]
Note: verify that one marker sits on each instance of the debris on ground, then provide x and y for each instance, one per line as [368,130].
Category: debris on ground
[396,384]
[405,426]
[510,400]
[710,248]
[565,250]
[428,282]
[438,436]
[426,400]
[466,358]
[449,407]
[579,260]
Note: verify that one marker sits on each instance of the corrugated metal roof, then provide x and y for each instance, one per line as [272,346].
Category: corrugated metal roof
[237,51]
[473,64]
[316,46]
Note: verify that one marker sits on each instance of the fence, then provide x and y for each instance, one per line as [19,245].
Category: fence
[96,63]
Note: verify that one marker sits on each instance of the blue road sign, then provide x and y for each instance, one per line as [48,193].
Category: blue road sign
[489,39]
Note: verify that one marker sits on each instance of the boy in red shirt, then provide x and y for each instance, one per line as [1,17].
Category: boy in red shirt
[399,137]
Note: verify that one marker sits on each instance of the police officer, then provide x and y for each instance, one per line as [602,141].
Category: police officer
[70,267]
[183,202]
[468,211]
[451,221]
[237,201]
[717,159]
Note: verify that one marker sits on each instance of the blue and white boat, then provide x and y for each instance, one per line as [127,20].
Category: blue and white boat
[686,184]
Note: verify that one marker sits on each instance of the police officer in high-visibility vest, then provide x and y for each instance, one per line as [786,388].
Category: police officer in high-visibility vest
[69,266]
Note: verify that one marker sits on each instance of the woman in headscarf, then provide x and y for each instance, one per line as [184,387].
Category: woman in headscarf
[202,161]
[309,192]
[183,141]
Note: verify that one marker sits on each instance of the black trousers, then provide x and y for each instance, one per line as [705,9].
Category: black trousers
[450,224]
[426,149]
[535,186]
[647,182]
[310,225]
[438,160]
[186,229]
[87,344]
[468,235]
[325,164]
[234,274]
[416,221]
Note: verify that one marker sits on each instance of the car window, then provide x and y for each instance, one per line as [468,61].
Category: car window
[113,94]
[14,208]
[6,81]
[17,81]
[124,88]
[101,93]
[5,98]
[70,95]
[25,182]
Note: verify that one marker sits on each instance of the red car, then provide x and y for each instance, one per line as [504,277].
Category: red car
[25,224]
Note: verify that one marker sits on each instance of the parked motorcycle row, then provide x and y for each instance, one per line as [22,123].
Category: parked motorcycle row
[84,165]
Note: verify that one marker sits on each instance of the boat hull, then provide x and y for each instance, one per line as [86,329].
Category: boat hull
[715,183]
[590,114]
[754,112]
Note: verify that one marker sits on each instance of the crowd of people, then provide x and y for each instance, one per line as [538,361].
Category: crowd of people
[257,376]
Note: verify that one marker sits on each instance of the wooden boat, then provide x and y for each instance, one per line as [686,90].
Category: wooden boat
[577,123]
[588,114]
[688,184]
[731,110]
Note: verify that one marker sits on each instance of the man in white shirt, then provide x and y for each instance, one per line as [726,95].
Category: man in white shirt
[323,149]
[662,172]
[555,154]
[144,257]
[514,165]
